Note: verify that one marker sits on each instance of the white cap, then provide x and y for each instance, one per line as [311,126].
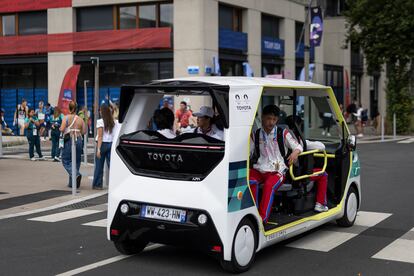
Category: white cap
[205,111]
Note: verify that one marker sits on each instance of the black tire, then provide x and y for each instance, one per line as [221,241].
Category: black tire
[346,221]
[129,247]
[233,266]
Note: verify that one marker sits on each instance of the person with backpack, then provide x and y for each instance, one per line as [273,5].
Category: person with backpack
[72,127]
[55,122]
[269,148]
[32,125]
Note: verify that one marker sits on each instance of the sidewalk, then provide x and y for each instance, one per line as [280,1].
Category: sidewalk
[26,185]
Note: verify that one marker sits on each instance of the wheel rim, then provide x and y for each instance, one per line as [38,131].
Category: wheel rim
[244,245]
[352,205]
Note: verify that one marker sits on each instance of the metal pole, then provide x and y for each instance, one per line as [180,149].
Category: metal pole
[394,125]
[382,128]
[95,62]
[306,49]
[74,173]
[85,139]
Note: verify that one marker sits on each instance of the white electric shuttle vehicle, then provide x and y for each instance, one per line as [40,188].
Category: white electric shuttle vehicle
[193,190]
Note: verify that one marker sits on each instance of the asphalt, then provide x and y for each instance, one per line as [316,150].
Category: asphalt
[41,248]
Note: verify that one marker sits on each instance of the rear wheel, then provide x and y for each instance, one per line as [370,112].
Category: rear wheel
[130,247]
[243,249]
[351,209]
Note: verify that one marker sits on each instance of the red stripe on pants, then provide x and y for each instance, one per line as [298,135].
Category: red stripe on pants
[271,182]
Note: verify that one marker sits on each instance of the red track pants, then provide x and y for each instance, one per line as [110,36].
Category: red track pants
[271,182]
[321,186]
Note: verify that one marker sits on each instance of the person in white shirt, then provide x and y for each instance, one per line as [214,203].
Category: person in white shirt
[269,163]
[320,180]
[205,123]
[164,120]
[106,128]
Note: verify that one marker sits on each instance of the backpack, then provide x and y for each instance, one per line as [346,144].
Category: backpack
[281,145]
[364,115]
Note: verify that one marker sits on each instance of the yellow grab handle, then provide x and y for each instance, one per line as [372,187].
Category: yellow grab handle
[314,152]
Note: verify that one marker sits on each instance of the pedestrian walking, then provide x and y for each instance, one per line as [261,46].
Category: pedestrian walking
[20,116]
[32,133]
[72,127]
[56,120]
[49,111]
[358,122]
[106,129]
[41,116]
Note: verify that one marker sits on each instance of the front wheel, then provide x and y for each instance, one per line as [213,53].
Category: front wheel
[351,209]
[130,247]
[243,249]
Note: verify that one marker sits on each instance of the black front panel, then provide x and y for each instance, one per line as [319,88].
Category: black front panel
[188,157]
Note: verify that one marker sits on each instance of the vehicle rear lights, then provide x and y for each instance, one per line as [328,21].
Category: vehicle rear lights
[202,219]
[216,248]
[124,208]
[114,232]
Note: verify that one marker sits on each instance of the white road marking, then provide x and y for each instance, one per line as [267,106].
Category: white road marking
[333,236]
[370,219]
[407,141]
[97,223]
[322,240]
[57,206]
[66,215]
[400,250]
[104,262]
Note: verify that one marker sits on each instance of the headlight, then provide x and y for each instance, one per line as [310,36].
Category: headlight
[124,208]
[202,219]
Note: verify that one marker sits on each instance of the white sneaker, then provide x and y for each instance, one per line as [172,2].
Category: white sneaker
[320,208]
[33,159]
[41,158]
[328,134]
[360,135]
[323,133]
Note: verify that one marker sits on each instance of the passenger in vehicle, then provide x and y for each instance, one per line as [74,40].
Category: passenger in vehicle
[269,165]
[321,180]
[205,123]
[164,120]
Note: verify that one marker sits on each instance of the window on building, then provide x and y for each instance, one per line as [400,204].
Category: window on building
[166,15]
[31,23]
[8,25]
[230,18]
[271,69]
[298,32]
[128,17]
[334,78]
[335,7]
[270,26]
[231,68]
[147,16]
[95,18]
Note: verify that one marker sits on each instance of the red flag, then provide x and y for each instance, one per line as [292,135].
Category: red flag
[68,89]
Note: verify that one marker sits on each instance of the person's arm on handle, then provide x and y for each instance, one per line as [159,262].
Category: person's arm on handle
[292,144]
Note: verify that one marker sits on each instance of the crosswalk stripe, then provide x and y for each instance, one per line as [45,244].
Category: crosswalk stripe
[97,223]
[331,236]
[407,141]
[66,215]
[400,250]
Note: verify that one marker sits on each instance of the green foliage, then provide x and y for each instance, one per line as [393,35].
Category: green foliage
[384,29]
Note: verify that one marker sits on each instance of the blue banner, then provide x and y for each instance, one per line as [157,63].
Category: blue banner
[316,27]
[273,46]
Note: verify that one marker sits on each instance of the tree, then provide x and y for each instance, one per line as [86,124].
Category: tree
[384,29]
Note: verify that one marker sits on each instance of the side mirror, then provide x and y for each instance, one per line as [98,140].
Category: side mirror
[351,142]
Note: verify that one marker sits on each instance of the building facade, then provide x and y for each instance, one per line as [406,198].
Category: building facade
[139,41]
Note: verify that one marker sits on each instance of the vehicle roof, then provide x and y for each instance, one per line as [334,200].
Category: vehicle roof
[248,81]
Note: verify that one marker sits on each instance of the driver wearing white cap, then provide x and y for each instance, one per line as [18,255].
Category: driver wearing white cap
[205,123]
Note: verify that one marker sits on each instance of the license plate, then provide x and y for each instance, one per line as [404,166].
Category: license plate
[162,213]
